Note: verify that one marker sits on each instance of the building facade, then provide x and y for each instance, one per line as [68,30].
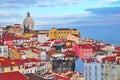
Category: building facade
[4,51]
[111,68]
[90,67]
[42,37]
[83,50]
[62,33]
[8,65]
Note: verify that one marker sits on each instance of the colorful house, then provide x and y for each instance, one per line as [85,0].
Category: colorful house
[31,65]
[90,67]
[83,50]
[9,65]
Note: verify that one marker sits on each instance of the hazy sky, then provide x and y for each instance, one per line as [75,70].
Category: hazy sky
[61,13]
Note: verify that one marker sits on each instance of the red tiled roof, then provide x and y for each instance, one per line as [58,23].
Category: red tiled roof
[116,52]
[109,58]
[33,65]
[51,51]
[89,60]
[84,46]
[71,52]
[8,62]
[22,48]
[11,47]
[12,76]
[45,45]
[117,48]
[31,60]
[69,41]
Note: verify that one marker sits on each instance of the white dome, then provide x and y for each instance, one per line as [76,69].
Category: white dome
[28,21]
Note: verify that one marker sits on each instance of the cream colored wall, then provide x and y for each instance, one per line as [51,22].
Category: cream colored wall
[6,69]
[30,54]
[15,68]
[74,38]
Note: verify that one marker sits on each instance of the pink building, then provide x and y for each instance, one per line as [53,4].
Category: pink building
[83,50]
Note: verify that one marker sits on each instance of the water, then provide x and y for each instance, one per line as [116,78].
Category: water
[105,34]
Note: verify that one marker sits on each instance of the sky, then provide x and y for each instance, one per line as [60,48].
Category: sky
[61,13]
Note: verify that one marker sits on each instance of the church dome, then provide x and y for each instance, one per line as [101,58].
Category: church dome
[28,19]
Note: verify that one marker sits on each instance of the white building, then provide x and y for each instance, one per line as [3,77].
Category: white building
[111,68]
[45,47]
[42,37]
[31,65]
[4,51]
[43,55]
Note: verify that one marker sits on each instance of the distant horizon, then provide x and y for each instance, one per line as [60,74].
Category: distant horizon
[61,12]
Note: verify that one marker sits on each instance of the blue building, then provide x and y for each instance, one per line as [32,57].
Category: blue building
[90,67]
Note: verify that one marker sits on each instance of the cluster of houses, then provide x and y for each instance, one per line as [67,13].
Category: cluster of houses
[55,54]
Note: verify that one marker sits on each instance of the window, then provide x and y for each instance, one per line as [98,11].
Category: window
[0,50]
[89,67]
[89,73]
[5,50]
[2,70]
[95,73]
[89,78]
[11,68]
[19,67]
[105,74]
[102,66]
[96,67]
[96,78]
[22,66]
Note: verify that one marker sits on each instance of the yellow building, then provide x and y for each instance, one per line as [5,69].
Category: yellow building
[8,65]
[62,33]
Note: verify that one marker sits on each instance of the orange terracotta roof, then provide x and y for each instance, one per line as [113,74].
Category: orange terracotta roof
[109,58]
[84,46]
[9,62]
[89,60]
[31,60]
[12,76]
